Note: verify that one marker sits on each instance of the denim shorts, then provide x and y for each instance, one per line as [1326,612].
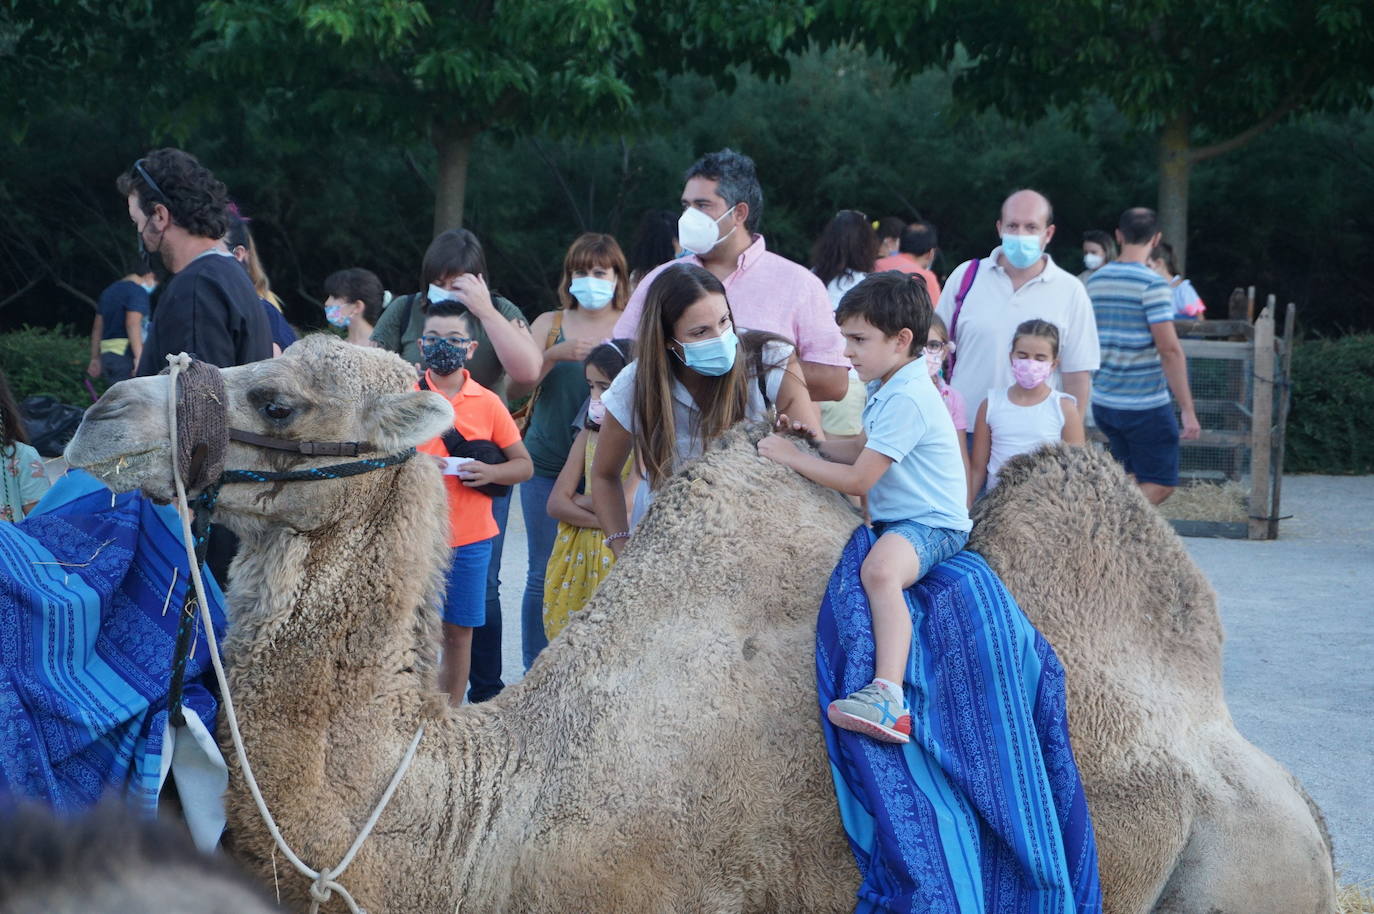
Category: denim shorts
[465,598]
[1144,441]
[932,544]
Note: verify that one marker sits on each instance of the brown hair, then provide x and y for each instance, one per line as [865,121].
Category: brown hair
[11,423]
[239,236]
[891,301]
[595,250]
[452,253]
[726,398]
[1043,329]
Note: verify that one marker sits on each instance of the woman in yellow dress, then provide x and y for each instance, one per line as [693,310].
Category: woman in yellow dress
[580,559]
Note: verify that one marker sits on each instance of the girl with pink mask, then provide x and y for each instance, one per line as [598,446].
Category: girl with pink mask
[1027,414]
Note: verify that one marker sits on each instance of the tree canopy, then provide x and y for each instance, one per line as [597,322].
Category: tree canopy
[1203,78]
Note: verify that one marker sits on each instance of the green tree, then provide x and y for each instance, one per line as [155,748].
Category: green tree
[1204,79]
[424,68]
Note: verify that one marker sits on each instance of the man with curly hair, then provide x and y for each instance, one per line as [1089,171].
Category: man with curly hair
[209,307]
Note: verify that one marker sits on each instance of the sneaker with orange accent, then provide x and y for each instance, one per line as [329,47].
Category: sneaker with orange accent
[874,711]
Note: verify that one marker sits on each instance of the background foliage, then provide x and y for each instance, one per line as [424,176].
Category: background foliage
[1331,426]
[325,118]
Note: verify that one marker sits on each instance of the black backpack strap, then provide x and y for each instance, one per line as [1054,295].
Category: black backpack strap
[761,378]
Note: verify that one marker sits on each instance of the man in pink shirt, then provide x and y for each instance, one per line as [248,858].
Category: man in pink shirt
[915,254]
[721,204]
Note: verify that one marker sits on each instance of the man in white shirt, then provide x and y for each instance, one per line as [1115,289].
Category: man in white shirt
[1018,282]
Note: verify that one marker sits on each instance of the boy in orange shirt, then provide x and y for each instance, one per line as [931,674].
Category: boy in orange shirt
[478,416]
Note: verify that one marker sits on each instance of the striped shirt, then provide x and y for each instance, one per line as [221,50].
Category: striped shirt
[1127,298]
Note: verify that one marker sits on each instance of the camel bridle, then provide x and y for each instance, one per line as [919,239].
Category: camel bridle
[202,414]
[201,403]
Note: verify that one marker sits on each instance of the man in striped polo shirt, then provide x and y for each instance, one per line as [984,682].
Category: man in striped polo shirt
[1142,361]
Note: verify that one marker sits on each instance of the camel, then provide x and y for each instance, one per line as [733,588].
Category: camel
[664,753]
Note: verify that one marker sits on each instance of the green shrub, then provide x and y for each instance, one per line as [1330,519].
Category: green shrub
[42,360]
[1331,423]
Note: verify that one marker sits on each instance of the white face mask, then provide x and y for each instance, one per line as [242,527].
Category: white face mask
[437,294]
[1092,261]
[698,232]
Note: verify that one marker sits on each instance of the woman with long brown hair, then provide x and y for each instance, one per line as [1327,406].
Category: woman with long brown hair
[694,379]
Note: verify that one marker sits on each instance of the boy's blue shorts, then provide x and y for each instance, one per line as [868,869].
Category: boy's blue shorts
[932,544]
[1144,441]
[465,602]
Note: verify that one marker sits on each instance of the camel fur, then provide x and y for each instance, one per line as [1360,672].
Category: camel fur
[664,753]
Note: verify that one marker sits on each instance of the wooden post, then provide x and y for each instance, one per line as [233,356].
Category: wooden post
[1285,401]
[1250,304]
[1236,305]
[1262,423]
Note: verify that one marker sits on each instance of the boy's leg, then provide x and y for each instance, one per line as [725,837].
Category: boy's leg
[464,609]
[890,568]
[879,709]
[453,673]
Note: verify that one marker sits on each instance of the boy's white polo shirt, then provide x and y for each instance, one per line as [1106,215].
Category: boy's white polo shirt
[906,421]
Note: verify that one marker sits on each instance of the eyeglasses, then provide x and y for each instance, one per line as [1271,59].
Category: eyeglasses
[430,340]
[934,346]
[148,179]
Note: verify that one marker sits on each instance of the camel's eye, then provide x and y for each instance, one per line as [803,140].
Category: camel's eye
[277,411]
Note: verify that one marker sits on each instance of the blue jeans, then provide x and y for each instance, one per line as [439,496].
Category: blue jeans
[484,676]
[540,533]
[465,597]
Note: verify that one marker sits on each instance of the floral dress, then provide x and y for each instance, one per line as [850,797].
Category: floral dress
[18,485]
[579,562]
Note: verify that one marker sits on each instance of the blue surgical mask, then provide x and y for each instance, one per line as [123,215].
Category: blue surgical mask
[713,357]
[592,293]
[148,287]
[1021,250]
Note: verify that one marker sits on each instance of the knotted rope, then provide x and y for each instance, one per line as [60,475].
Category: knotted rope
[323,883]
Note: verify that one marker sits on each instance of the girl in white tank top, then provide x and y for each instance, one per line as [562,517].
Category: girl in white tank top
[1026,415]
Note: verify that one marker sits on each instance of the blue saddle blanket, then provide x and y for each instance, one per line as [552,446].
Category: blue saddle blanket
[91,588]
[983,811]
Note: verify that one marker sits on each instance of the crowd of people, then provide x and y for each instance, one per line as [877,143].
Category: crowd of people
[915,391]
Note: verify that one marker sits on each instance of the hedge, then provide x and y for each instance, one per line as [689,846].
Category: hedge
[48,360]
[1331,423]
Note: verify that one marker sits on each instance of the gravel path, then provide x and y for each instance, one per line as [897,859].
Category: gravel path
[1299,652]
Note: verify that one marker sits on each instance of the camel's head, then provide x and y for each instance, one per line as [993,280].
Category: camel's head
[321,389]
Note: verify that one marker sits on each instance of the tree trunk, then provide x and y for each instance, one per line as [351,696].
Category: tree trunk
[454,145]
[1175,167]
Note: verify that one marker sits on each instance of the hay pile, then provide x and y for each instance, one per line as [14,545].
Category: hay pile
[1225,503]
[1355,898]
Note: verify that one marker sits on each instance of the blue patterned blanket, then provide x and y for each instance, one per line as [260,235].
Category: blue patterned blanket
[86,648]
[983,811]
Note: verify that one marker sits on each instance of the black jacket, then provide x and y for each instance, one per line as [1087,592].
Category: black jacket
[210,310]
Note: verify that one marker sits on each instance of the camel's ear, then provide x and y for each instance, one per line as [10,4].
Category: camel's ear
[396,421]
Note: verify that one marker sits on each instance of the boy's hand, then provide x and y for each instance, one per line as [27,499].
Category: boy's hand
[476,474]
[778,449]
[788,424]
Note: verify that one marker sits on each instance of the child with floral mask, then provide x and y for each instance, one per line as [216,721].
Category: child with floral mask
[1029,413]
[479,416]
[580,558]
[354,303]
